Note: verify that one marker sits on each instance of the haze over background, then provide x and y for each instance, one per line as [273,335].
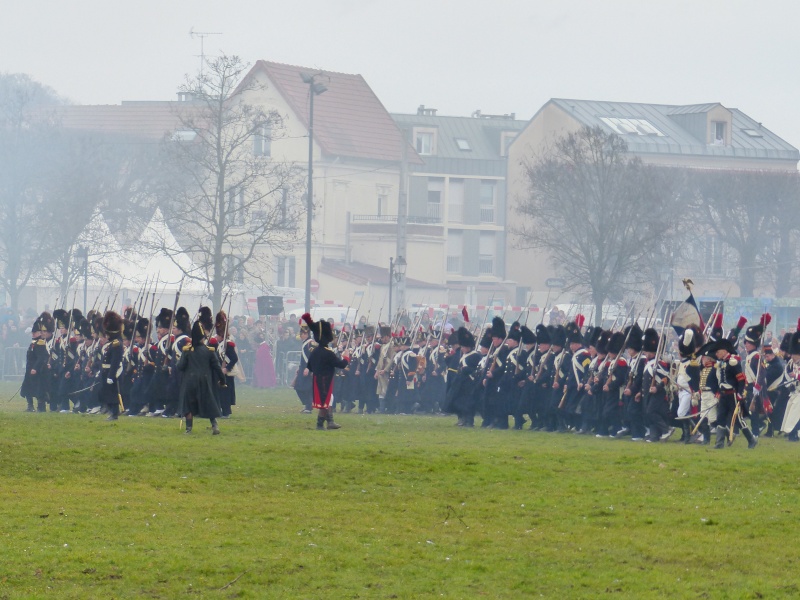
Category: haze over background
[455,55]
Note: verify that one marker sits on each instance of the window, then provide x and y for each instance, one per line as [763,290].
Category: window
[262,141]
[487,201]
[285,271]
[235,211]
[487,248]
[425,141]
[455,248]
[625,126]
[383,200]
[463,144]
[752,132]
[718,127]
[455,206]
[284,207]
[713,256]
[435,190]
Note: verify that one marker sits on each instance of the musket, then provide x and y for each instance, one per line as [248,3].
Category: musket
[168,345]
[69,331]
[485,316]
[527,308]
[222,347]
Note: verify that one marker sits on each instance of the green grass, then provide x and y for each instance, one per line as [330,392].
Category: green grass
[386,507]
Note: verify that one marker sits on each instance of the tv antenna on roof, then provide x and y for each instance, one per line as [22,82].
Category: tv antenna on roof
[202,35]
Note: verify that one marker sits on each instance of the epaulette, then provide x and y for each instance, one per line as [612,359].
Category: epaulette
[733,361]
[41,342]
[188,347]
[621,362]
[154,348]
[231,344]
[115,343]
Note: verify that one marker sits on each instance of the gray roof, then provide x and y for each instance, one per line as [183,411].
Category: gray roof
[682,129]
[482,134]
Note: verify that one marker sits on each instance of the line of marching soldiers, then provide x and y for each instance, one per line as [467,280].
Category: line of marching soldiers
[118,364]
[619,384]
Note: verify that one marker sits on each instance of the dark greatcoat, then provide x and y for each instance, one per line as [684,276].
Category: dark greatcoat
[323,363]
[196,396]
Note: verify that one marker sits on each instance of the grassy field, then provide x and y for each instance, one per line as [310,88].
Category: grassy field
[386,507]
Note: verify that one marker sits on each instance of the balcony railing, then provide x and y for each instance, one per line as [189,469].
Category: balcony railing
[486,265]
[455,213]
[487,214]
[411,219]
[434,211]
[454,264]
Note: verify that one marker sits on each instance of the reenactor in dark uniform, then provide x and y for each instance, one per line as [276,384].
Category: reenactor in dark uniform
[129,363]
[28,389]
[228,358]
[434,386]
[770,379]
[759,410]
[112,365]
[39,372]
[58,349]
[138,357]
[69,380]
[302,379]
[368,403]
[405,376]
[731,410]
[561,358]
[632,410]
[687,379]
[508,388]
[158,392]
[522,370]
[462,385]
[540,378]
[791,376]
[655,391]
[494,373]
[616,378]
[576,369]
[181,332]
[587,406]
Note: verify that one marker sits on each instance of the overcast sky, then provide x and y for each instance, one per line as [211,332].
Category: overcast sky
[498,56]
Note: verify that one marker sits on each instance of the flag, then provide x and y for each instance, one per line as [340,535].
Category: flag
[465,314]
[685,315]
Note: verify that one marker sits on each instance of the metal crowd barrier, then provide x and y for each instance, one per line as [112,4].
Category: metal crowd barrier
[13,363]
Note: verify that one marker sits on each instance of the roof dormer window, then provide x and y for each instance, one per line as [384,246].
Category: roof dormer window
[718,130]
[463,144]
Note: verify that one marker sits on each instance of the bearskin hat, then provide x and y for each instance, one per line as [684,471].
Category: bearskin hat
[97,325]
[77,317]
[573,331]
[206,318]
[558,336]
[464,337]
[220,323]
[164,318]
[602,342]
[385,331]
[754,332]
[61,318]
[486,340]
[794,341]
[182,320]
[127,329]
[46,322]
[542,334]
[616,343]
[592,335]
[498,329]
[689,341]
[129,314]
[716,332]
[321,330]
[515,334]
[85,328]
[141,327]
[112,324]
[733,334]
[369,331]
[528,337]
[453,339]
[198,334]
[650,340]
[634,334]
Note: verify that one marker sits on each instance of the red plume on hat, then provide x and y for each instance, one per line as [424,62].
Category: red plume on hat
[742,322]
[307,318]
[766,319]
[580,320]
[718,321]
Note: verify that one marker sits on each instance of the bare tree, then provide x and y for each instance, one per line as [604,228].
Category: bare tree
[602,216]
[233,204]
[755,215]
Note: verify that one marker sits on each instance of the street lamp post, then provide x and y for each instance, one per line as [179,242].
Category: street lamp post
[314,89]
[397,270]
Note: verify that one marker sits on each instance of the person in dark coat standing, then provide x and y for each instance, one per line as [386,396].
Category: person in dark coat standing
[198,366]
[111,368]
[322,363]
[228,360]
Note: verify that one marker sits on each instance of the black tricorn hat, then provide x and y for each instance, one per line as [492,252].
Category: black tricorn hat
[528,337]
[542,334]
[754,332]
[498,329]
[206,318]
[723,344]
[198,334]
[634,334]
[164,318]
[321,330]
[650,340]
[112,324]
[558,336]
[706,350]
[616,342]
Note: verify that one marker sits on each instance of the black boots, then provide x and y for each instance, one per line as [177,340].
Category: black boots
[329,418]
[752,440]
[722,433]
[189,421]
[326,416]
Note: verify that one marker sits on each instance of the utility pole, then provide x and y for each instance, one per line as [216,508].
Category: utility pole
[402,222]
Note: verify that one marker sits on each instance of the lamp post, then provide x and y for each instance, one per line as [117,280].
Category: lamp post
[397,270]
[83,264]
[314,89]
